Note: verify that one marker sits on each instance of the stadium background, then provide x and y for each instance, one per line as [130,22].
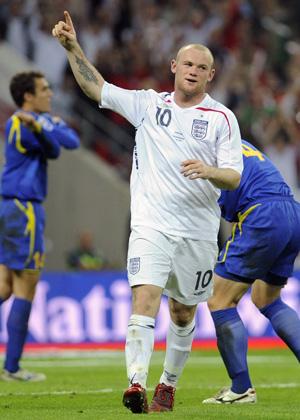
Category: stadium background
[91,311]
[257,50]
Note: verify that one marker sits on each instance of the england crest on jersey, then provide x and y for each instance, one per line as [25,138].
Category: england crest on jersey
[134,265]
[199,129]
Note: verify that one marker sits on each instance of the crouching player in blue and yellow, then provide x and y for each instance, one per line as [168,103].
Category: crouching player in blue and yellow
[261,252]
[32,136]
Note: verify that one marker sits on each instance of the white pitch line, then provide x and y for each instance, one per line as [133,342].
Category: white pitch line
[292,385]
[109,390]
[96,391]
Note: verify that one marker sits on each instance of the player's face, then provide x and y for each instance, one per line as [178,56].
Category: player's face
[192,72]
[40,101]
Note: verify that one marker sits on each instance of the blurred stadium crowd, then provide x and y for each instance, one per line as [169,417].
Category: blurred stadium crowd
[256,45]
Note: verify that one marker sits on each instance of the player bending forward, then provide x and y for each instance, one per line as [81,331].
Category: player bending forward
[261,251]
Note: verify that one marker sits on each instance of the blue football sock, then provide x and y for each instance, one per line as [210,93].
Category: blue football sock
[285,322]
[233,344]
[17,326]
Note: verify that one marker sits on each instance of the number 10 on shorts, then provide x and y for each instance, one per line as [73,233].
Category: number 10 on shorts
[203,279]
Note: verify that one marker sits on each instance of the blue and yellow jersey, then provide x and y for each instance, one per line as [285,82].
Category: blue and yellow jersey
[24,174]
[260,181]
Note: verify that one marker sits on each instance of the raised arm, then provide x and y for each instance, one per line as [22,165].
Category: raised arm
[88,78]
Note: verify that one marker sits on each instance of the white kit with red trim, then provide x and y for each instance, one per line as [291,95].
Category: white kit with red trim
[166,135]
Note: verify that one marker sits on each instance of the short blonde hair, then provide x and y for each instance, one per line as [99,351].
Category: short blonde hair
[198,47]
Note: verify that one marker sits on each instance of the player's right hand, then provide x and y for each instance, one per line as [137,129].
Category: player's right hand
[29,121]
[65,32]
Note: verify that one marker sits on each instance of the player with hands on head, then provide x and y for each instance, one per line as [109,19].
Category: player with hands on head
[32,136]
[174,220]
[260,252]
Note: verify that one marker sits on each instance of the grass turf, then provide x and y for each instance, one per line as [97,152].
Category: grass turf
[90,386]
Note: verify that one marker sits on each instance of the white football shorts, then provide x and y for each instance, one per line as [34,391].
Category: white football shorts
[182,267]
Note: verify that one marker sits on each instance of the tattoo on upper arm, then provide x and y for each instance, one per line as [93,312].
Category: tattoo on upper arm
[86,71]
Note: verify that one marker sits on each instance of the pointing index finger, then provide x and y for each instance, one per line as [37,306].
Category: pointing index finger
[68,18]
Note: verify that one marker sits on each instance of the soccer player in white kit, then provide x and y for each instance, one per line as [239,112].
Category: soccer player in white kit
[188,147]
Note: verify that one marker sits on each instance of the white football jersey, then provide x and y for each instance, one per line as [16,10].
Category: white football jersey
[166,135]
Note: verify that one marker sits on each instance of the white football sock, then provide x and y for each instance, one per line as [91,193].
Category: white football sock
[139,348]
[179,345]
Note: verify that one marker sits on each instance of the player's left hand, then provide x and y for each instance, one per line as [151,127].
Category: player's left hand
[195,168]
[65,32]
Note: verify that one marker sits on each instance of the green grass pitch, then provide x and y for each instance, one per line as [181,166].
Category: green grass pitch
[90,386]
